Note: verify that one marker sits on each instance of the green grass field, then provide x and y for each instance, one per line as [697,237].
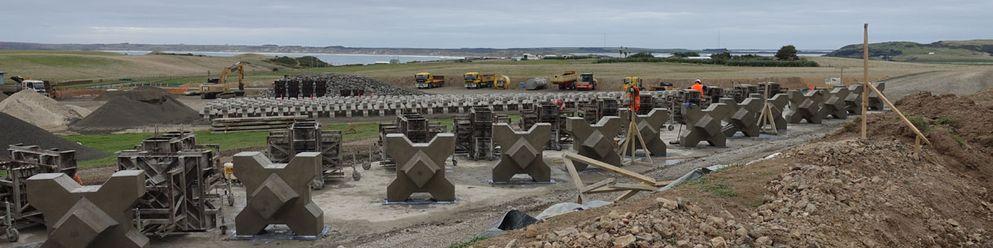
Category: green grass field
[111,143]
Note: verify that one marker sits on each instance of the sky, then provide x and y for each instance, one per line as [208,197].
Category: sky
[699,24]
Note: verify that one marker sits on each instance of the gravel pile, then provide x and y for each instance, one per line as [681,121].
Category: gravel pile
[39,110]
[137,108]
[16,131]
[843,193]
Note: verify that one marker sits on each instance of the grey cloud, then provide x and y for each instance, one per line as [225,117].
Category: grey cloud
[808,24]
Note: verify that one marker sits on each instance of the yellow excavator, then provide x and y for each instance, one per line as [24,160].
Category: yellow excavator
[219,88]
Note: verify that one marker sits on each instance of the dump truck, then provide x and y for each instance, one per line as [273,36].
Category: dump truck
[476,80]
[425,80]
[42,87]
[586,82]
[566,80]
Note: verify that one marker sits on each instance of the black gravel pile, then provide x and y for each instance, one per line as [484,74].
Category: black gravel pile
[15,131]
[336,84]
[135,109]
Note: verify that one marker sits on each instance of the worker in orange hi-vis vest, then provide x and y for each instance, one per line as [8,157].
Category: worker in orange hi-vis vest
[697,86]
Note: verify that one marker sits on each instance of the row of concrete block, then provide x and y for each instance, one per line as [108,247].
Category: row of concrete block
[338,107]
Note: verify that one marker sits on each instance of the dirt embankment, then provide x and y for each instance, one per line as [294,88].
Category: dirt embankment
[838,192]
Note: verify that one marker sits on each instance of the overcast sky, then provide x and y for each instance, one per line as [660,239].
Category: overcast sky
[809,24]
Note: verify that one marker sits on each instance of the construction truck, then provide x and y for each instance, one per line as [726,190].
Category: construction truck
[475,80]
[502,82]
[566,80]
[219,88]
[586,82]
[42,87]
[424,80]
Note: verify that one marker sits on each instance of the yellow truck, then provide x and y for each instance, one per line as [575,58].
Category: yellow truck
[476,80]
[566,80]
[425,80]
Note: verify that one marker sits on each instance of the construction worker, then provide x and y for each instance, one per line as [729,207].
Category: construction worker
[697,86]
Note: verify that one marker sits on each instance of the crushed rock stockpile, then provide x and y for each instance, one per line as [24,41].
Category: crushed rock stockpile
[39,110]
[338,82]
[137,108]
[16,131]
[832,194]
[351,82]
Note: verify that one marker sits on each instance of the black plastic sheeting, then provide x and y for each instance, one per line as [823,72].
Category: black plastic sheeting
[515,219]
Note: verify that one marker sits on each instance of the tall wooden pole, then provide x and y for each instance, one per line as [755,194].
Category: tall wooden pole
[865,79]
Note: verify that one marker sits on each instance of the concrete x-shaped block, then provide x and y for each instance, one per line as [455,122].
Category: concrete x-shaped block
[522,152]
[278,193]
[88,216]
[421,167]
[595,141]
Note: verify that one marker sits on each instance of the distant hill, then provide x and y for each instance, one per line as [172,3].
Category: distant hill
[964,51]
[467,52]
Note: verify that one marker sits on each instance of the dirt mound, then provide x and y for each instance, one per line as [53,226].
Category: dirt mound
[137,108]
[17,131]
[39,110]
[827,194]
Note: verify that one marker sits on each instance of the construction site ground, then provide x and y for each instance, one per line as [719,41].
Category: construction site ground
[358,217]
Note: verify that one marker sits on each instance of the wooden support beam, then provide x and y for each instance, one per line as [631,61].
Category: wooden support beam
[572,156]
[627,195]
[575,179]
[865,81]
[634,186]
[598,185]
[902,117]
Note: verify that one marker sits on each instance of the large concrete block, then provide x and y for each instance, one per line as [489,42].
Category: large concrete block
[595,141]
[745,118]
[420,167]
[650,128]
[806,106]
[278,193]
[522,152]
[705,125]
[88,216]
[835,104]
